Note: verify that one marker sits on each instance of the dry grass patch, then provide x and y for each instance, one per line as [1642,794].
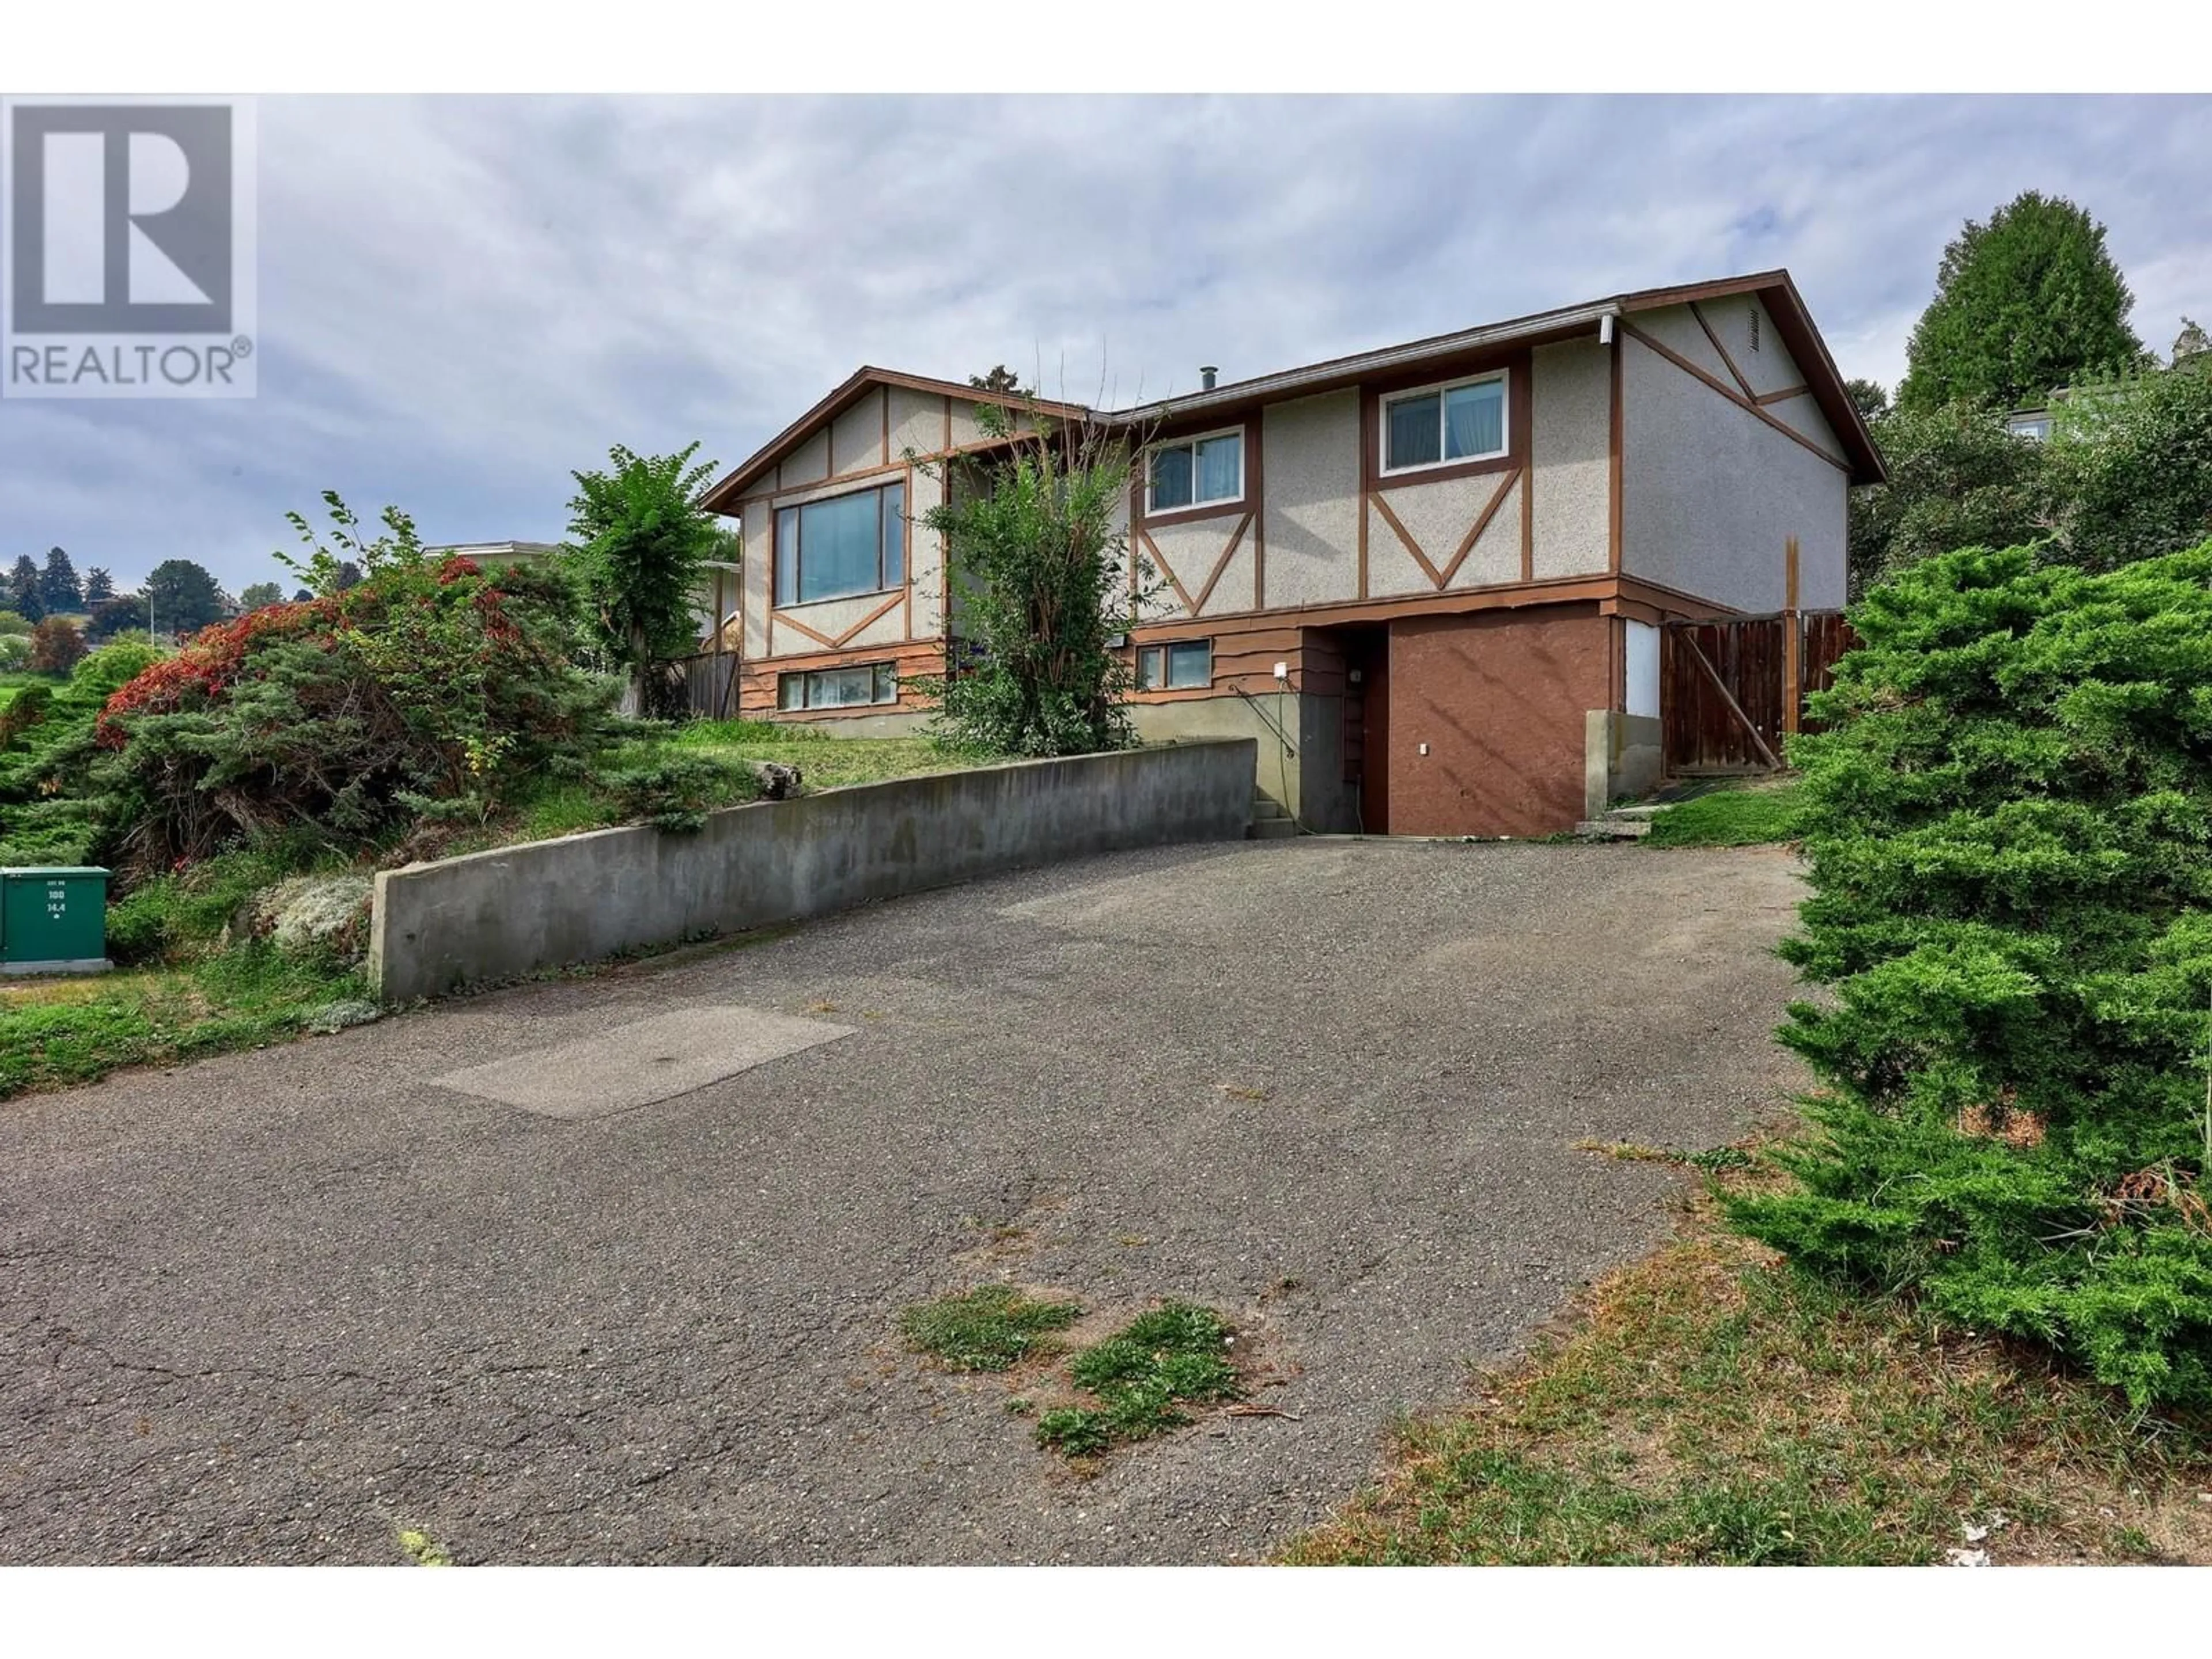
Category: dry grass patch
[1710,1404]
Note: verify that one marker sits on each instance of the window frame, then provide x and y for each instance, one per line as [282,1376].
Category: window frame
[1439,390]
[1191,442]
[786,557]
[878,673]
[1166,649]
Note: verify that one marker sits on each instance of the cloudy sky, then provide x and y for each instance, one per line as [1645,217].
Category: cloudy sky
[463,300]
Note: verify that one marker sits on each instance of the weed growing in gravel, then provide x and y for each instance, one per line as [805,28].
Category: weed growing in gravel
[424,1550]
[1711,1160]
[988,1328]
[1175,1355]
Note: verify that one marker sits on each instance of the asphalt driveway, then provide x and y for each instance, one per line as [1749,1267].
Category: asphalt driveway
[279,1306]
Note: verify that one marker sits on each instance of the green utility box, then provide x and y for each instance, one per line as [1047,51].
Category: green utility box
[53,921]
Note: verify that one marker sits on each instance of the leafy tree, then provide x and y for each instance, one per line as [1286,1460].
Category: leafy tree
[98,587]
[13,624]
[254,595]
[115,615]
[636,535]
[2025,304]
[184,598]
[1003,380]
[2004,828]
[56,645]
[26,593]
[2132,467]
[1869,397]
[1044,579]
[57,583]
[1957,478]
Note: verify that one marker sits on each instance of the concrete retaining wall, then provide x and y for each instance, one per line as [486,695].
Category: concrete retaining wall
[494,915]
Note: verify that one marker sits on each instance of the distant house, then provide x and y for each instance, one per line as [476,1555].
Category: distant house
[1430,578]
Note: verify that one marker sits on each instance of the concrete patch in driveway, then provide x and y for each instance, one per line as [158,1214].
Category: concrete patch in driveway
[637,1064]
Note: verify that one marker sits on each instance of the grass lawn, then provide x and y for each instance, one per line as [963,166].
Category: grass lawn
[825,762]
[1711,1405]
[1740,815]
[55,1032]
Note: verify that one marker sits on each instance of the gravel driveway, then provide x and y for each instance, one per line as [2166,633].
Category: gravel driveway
[281,1305]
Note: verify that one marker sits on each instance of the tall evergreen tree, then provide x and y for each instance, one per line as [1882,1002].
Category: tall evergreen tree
[57,583]
[185,598]
[98,587]
[26,594]
[2025,304]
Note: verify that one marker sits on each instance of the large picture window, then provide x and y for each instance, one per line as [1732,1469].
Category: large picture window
[1195,472]
[837,688]
[1438,425]
[848,544]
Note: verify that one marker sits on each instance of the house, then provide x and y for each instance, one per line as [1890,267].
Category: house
[1430,579]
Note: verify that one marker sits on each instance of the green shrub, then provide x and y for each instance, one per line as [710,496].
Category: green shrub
[2009,824]
[676,790]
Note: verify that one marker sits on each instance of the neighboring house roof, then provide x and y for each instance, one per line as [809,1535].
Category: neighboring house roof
[724,496]
[1824,382]
[496,552]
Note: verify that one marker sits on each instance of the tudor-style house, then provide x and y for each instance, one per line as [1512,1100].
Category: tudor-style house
[1428,578]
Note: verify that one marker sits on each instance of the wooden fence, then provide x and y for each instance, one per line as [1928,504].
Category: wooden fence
[1731,690]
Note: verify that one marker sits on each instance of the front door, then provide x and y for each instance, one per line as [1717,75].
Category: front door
[1367,712]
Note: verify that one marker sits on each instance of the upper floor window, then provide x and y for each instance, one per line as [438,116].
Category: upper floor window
[2034,424]
[1464,421]
[1195,472]
[846,544]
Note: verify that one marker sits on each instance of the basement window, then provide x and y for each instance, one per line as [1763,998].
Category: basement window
[1438,425]
[837,688]
[1178,666]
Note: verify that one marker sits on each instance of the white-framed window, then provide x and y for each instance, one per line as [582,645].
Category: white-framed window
[837,688]
[842,545]
[1175,665]
[1195,472]
[2033,425]
[1440,425]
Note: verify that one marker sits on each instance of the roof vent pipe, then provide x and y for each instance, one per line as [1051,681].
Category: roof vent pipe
[1206,374]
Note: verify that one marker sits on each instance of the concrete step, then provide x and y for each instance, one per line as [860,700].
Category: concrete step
[1264,808]
[1614,828]
[1276,828]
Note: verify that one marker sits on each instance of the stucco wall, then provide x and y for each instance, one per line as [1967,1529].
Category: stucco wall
[1499,698]
[1192,550]
[1312,507]
[1711,494]
[856,437]
[1570,390]
[1438,516]
[438,928]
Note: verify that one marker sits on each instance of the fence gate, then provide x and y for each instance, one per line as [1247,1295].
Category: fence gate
[1729,690]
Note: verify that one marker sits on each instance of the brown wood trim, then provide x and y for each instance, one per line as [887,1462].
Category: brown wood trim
[906,531]
[1528,522]
[890,602]
[907,651]
[1793,638]
[1733,397]
[1466,544]
[872,477]
[1222,563]
[1406,536]
[1782,396]
[1160,564]
[1735,708]
[883,397]
[1615,447]
[1743,385]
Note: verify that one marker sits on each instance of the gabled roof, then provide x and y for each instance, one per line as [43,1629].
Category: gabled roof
[724,496]
[1774,289]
